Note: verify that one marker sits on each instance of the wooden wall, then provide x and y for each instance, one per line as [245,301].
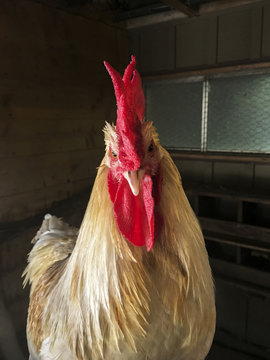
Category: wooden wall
[55,96]
[239,35]
[216,183]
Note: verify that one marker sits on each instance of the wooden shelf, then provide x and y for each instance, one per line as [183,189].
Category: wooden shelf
[237,241]
[236,225]
[234,229]
[227,194]
[220,156]
[252,280]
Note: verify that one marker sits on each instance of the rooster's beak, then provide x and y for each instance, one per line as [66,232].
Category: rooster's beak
[134,180]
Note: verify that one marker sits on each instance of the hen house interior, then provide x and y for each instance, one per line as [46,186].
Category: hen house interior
[205,68]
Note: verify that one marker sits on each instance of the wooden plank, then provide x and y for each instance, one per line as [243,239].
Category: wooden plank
[233,176]
[222,351]
[180,6]
[42,111]
[259,318]
[221,5]
[239,35]
[266,31]
[34,145]
[231,304]
[55,48]
[252,280]
[134,45]
[230,195]
[221,69]
[27,204]
[235,229]
[239,348]
[65,191]
[42,171]
[262,178]
[193,172]
[239,211]
[55,96]
[157,48]
[196,42]
[46,129]
[122,47]
[221,157]
[9,283]
[159,18]
[24,205]
[236,242]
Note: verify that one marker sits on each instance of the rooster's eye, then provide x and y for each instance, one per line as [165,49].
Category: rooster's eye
[114,154]
[151,147]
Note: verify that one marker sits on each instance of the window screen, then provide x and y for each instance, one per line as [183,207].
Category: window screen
[228,113]
[239,114]
[175,107]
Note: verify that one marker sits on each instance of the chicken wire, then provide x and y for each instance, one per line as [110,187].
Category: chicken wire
[175,108]
[239,114]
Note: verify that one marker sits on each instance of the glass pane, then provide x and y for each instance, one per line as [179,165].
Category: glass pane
[239,114]
[175,109]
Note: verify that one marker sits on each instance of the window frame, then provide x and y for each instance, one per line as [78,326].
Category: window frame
[206,75]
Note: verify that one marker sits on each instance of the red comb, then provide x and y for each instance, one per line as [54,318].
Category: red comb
[130,113]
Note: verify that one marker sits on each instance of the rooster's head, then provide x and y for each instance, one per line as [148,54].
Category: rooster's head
[133,159]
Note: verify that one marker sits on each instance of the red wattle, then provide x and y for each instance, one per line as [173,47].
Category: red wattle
[134,214]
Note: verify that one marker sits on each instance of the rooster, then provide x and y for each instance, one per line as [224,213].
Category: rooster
[134,282]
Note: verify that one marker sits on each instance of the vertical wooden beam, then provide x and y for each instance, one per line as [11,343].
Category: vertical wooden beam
[240,211]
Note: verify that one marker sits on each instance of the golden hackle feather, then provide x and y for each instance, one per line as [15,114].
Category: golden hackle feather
[54,241]
[108,299]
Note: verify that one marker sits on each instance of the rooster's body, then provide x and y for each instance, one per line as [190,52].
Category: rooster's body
[95,295]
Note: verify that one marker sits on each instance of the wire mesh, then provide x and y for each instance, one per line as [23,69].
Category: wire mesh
[239,114]
[176,110]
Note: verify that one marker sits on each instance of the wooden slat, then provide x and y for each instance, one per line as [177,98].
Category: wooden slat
[235,43]
[234,229]
[33,202]
[249,279]
[255,65]
[236,241]
[180,6]
[37,145]
[55,96]
[42,171]
[196,42]
[55,47]
[221,5]
[47,131]
[157,47]
[221,157]
[232,195]
[266,31]
[236,347]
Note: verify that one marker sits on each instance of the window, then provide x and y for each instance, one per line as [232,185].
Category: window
[226,112]
[175,109]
